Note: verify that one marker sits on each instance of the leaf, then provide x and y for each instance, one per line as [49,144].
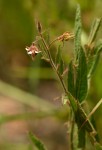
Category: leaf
[98,47]
[81,117]
[81,77]
[78,26]
[47,36]
[71,86]
[37,142]
[91,65]
[81,70]
[93,60]
[94,29]
[93,111]
[81,138]
[59,61]
[73,102]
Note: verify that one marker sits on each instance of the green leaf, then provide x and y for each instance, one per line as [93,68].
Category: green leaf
[78,26]
[94,29]
[93,59]
[92,63]
[81,117]
[81,77]
[59,60]
[71,86]
[46,36]
[98,47]
[81,138]
[37,142]
[80,60]
[73,102]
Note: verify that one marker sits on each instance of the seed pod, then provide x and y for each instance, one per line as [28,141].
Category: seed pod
[39,27]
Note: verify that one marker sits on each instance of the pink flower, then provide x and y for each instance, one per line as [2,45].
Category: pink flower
[32,50]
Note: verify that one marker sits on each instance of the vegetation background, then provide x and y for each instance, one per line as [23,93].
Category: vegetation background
[28,89]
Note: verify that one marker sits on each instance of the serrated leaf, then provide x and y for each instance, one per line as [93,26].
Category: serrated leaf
[59,61]
[78,26]
[81,77]
[37,142]
[71,86]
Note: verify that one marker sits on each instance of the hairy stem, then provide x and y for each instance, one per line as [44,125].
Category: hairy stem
[53,64]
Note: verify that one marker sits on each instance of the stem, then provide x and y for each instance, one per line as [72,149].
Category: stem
[53,42]
[47,48]
[52,62]
[72,134]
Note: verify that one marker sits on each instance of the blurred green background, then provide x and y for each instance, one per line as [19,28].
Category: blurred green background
[28,88]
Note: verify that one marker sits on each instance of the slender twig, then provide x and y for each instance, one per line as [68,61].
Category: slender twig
[53,42]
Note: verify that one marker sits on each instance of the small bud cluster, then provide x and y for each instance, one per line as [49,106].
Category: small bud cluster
[66,36]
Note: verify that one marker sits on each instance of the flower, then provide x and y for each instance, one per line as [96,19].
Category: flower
[32,50]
